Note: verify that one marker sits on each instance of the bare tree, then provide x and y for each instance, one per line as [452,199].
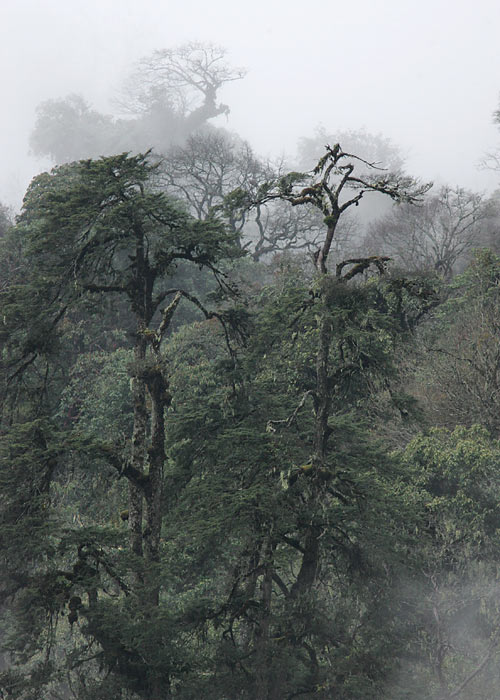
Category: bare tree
[171,94]
[459,381]
[434,236]
[214,169]
[209,165]
[187,79]
[491,159]
[375,149]
[278,228]
[372,148]
[334,186]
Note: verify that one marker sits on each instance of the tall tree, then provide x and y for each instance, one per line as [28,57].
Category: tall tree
[372,148]
[320,349]
[333,187]
[252,494]
[93,229]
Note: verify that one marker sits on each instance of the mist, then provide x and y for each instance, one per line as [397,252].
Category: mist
[423,76]
[250,380]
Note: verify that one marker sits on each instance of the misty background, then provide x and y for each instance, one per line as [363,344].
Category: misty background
[406,559]
[424,75]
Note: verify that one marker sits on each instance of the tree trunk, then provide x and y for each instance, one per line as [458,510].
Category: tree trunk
[156,457]
[323,393]
[264,680]
[310,562]
[310,559]
[138,445]
[322,255]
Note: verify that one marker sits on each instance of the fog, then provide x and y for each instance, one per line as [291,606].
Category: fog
[424,74]
[289,502]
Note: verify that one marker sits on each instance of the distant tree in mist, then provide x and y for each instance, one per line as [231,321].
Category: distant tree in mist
[213,169]
[185,81]
[67,129]
[373,148]
[170,94]
[435,236]
[491,160]
[210,164]
[11,271]
[5,219]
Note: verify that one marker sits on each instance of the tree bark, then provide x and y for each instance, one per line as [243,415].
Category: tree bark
[323,252]
[310,559]
[264,681]
[323,390]
[138,446]
[156,457]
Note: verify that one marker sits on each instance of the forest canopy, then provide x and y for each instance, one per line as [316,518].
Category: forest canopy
[249,439]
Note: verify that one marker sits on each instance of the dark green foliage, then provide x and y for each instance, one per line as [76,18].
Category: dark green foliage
[285,548]
[451,605]
[88,229]
[82,221]
[246,450]
[458,381]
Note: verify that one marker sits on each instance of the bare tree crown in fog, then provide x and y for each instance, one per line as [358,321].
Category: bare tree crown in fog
[170,94]
[436,235]
[182,77]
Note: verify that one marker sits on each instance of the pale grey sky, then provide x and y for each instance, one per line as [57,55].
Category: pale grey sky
[425,74]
